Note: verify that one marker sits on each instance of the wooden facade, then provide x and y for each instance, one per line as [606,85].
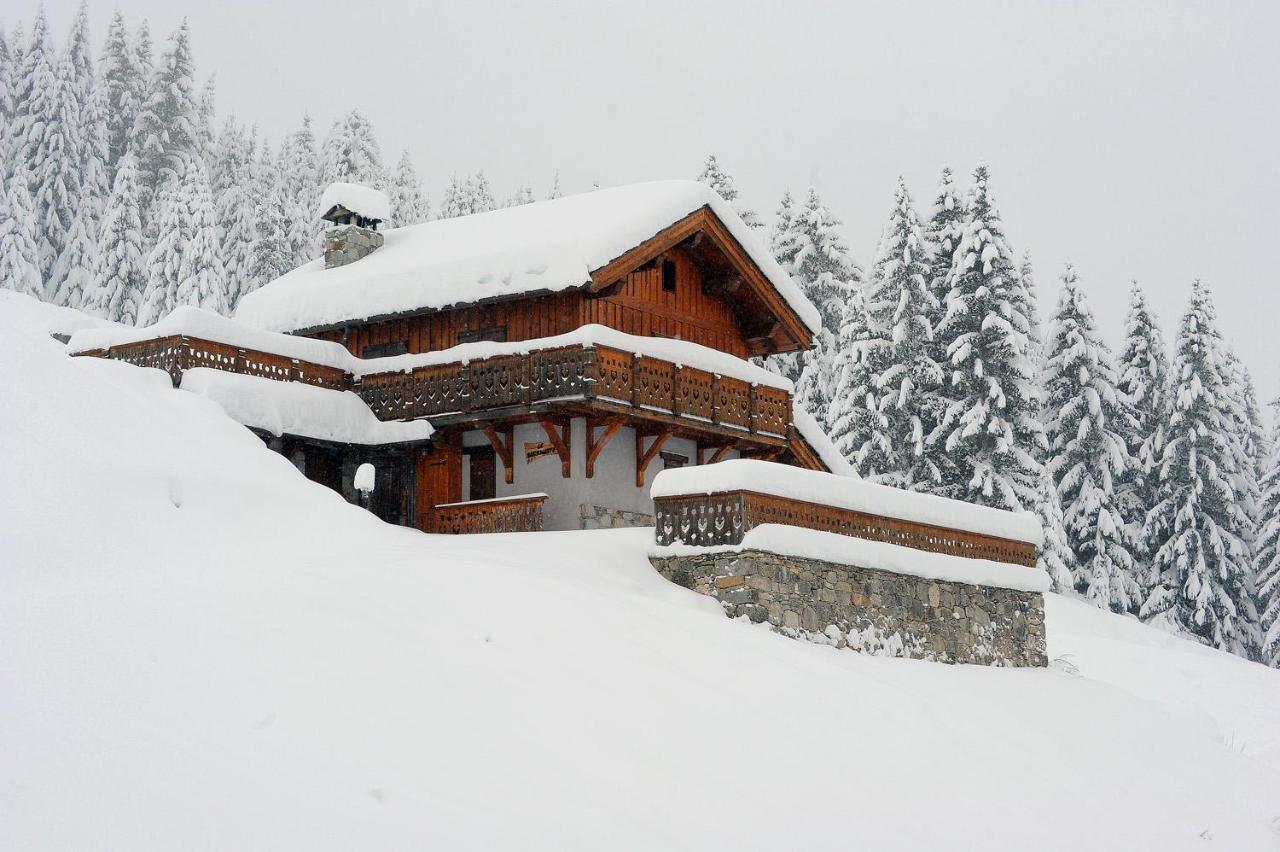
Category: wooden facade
[664,298]
[708,520]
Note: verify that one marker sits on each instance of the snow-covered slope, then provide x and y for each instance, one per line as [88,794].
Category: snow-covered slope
[202,650]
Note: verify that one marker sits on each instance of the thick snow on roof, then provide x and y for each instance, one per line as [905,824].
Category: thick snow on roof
[544,246]
[52,319]
[368,202]
[294,408]
[207,325]
[883,556]
[844,492]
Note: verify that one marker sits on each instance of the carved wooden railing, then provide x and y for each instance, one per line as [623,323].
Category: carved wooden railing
[574,372]
[178,353]
[504,514]
[724,518]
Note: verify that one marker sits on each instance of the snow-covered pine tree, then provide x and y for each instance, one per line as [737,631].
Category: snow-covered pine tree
[38,143]
[160,296]
[902,311]
[1201,563]
[821,265]
[989,427]
[234,207]
[19,255]
[119,273]
[941,235]
[555,192]
[454,203]
[6,93]
[1267,554]
[73,270]
[205,107]
[1026,270]
[299,173]
[1089,419]
[480,195]
[351,153]
[851,417]
[271,251]
[714,176]
[122,86]
[408,202]
[522,195]
[779,241]
[201,281]
[166,131]
[1144,380]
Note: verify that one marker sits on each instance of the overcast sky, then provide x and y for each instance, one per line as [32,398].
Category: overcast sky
[1138,140]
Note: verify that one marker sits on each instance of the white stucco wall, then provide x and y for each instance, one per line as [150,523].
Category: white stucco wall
[612,486]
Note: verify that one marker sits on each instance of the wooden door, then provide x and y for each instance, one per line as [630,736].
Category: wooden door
[484,473]
[439,480]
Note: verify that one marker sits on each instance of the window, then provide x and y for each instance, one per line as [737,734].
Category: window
[669,276]
[494,332]
[673,460]
[382,350]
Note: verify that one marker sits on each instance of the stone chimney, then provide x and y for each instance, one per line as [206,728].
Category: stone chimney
[355,212]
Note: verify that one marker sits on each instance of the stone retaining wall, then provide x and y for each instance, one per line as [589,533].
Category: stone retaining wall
[603,518]
[874,611]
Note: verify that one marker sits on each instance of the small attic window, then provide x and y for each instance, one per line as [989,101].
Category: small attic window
[668,276]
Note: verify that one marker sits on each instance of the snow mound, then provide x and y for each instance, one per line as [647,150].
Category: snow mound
[294,408]
[203,649]
[544,246]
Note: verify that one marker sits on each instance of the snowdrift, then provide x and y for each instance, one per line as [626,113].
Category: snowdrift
[204,650]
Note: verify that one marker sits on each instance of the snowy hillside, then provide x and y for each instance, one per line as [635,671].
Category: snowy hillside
[204,650]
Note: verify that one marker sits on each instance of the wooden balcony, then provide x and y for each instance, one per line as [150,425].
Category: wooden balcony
[503,514]
[598,374]
[178,353]
[724,518]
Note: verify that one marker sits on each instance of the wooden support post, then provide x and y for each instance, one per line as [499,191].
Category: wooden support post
[720,453]
[560,435]
[596,444]
[717,452]
[644,456]
[502,450]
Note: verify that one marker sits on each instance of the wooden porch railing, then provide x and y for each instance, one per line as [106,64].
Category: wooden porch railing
[503,382]
[178,353]
[503,514]
[597,372]
[724,518]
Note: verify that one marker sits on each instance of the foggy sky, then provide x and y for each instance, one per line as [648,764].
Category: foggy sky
[1137,140]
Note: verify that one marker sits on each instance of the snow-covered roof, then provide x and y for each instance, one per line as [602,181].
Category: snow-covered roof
[207,325]
[881,555]
[544,246]
[52,319]
[365,200]
[844,492]
[294,408]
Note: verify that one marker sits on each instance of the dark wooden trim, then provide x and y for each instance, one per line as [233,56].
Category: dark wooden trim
[503,450]
[561,437]
[596,444]
[644,456]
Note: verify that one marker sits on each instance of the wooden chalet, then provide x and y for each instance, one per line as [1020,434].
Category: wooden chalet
[563,352]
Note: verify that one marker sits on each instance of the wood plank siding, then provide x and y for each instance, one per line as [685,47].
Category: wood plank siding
[639,305]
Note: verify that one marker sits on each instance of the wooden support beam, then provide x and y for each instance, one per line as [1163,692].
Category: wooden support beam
[771,454]
[560,434]
[503,450]
[720,453]
[644,456]
[596,444]
[716,452]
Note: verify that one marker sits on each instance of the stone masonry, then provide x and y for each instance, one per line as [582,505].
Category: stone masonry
[869,610]
[604,518]
[345,244]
